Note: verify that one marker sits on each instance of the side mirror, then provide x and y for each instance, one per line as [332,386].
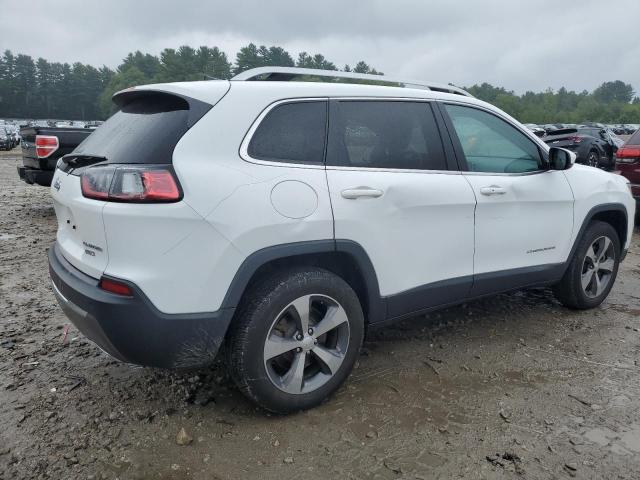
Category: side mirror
[561,158]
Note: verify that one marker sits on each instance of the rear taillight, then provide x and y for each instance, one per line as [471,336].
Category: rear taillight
[141,184]
[46,145]
[113,286]
[628,154]
[575,139]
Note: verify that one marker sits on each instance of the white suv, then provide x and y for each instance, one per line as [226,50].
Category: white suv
[281,218]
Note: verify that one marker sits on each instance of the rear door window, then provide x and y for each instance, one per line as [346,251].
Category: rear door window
[292,133]
[384,134]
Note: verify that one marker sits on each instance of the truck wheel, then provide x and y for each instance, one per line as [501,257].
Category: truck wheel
[592,269]
[295,339]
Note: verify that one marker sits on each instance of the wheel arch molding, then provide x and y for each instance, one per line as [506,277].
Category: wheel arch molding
[614,214]
[344,258]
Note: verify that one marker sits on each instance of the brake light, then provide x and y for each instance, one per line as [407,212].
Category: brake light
[575,139]
[46,145]
[141,184]
[113,286]
[628,154]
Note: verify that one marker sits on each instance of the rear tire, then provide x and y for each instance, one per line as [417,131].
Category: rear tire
[593,158]
[592,270]
[295,339]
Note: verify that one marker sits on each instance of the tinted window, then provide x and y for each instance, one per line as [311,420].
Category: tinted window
[145,130]
[492,145]
[385,134]
[292,132]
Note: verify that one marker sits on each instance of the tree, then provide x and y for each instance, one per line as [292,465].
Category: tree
[317,61]
[616,91]
[253,57]
[129,77]
[43,89]
[362,67]
[213,63]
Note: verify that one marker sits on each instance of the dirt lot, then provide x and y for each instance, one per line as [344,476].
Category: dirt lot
[512,386]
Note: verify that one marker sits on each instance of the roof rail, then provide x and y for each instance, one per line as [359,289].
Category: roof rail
[289,73]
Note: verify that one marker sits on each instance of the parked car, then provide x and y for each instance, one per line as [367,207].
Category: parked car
[536,129]
[549,128]
[284,218]
[617,141]
[628,165]
[593,146]
[41,149]
[6,142]
[14,133]
[630,129]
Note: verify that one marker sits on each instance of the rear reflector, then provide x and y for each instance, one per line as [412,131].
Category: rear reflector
[116,287]
[628,154]
[46,145]
[141,184]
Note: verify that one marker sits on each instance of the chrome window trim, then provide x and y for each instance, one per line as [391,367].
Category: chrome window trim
[505,174]
[244,145]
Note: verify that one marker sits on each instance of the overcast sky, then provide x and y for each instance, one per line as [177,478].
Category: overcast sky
[521,45]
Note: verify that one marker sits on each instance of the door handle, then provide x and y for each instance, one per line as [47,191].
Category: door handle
[361,192]
[492,190]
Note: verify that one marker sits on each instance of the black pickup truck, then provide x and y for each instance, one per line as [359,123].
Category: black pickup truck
[43,146]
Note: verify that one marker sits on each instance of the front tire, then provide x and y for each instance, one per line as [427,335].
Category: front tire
[295,339]
[592,269]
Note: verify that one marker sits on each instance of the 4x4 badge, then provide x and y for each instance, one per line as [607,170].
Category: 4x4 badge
[56,185]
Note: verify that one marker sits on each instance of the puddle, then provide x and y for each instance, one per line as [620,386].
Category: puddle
[631,439]
[600,436]
[624,443]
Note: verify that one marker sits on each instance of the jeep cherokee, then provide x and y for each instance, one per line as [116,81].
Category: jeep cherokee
[282,218]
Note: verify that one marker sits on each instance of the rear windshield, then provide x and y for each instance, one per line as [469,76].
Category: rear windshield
[146,129]
[592,132]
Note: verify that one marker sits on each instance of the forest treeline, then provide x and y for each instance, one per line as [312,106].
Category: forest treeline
[42,89]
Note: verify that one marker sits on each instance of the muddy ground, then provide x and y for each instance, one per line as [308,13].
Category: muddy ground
[512,386]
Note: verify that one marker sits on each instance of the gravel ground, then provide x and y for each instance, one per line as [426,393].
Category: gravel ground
[514,385]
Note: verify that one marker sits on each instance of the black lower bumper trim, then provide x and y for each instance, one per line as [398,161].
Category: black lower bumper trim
[131,329]
[36,176]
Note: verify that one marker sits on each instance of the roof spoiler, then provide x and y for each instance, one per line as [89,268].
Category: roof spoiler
[285,74]
[168,101]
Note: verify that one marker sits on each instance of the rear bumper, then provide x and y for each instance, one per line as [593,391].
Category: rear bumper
[131,329]
[35,176]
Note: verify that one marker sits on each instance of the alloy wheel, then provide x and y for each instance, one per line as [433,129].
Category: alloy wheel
[598,266]
[306,344]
